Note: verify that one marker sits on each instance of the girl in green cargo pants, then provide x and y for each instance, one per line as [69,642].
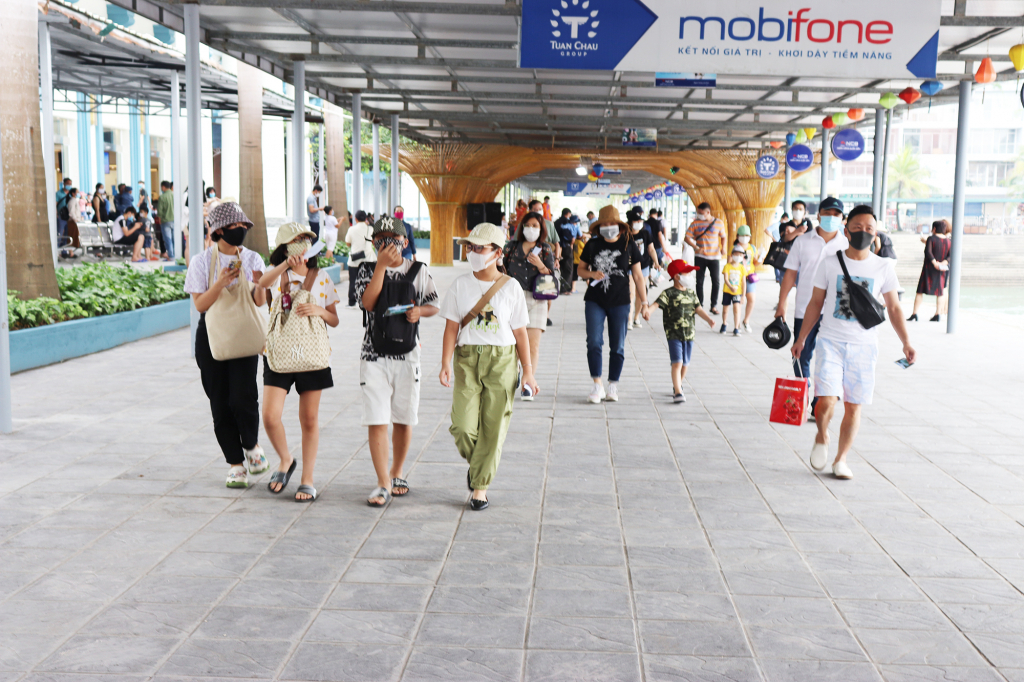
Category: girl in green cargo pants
[486,334]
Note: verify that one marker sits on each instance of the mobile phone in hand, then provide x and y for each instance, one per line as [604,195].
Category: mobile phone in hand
[904,363]
[536,251]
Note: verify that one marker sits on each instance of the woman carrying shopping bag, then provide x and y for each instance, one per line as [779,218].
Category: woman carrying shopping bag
[298,350]
[486,332]
[231,334]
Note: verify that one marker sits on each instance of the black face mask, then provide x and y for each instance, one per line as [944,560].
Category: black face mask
[861,240]
[232,235]
[385,242]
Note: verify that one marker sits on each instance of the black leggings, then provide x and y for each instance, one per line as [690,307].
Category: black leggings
[712,266]
[234,398]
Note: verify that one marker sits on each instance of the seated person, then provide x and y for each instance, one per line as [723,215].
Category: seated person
[127,231]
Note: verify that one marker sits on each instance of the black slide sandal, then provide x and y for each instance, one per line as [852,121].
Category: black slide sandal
[282,477]
[400,483]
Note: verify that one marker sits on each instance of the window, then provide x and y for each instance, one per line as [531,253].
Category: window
[912,139]
[931,141]
[988,173]
[994,141]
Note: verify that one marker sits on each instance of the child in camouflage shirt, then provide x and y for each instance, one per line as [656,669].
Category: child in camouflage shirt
[679,305]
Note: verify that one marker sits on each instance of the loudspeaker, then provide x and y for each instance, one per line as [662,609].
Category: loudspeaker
[483,213]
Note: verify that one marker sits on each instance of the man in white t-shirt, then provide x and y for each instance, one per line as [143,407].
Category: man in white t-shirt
[360,251]
[805,255]
[847,352]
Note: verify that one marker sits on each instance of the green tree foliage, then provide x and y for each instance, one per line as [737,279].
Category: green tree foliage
[907,176]
[1014,182]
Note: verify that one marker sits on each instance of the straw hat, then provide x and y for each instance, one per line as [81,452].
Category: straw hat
[609,215]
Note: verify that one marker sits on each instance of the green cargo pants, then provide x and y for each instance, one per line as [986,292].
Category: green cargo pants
[485,380]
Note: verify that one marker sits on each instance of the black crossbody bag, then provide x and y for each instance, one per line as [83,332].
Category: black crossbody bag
[865,307]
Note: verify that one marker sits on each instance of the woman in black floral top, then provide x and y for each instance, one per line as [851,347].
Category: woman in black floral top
[527,257]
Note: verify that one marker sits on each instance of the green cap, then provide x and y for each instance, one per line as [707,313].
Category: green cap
[743,231]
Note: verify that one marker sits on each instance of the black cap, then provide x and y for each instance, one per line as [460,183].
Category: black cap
[831,202]
[777,334]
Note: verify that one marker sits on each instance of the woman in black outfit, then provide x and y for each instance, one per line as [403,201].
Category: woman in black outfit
[935,271]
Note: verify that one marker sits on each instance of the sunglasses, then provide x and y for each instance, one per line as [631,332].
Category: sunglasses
[487,248]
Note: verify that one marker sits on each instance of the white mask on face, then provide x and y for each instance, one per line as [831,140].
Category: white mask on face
[798,216]
[689,281]
[480,261]
[637,226]
[531,234]
[609,231]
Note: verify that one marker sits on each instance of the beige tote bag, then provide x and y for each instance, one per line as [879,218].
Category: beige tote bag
[234,323]
[295,343]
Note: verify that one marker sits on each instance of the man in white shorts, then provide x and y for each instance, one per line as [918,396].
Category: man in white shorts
[847,352]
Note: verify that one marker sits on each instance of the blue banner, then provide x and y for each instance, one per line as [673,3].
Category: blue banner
[799,157]
[847,144]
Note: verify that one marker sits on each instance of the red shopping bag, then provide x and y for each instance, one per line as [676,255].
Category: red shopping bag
[790,404]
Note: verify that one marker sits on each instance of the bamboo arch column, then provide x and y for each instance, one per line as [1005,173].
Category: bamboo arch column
[732,207]
[760,200]
[707,195]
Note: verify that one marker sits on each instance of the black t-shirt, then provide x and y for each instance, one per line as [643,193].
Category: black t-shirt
[564,231]
[643,239]
[656,228]
[806,222]
[615,260]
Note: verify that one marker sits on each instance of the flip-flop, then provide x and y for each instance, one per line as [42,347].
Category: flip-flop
[400,483]
[379,492]
[308,490]
[281,477]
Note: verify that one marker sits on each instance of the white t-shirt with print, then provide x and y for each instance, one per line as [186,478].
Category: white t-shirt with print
[197,279]
[358,238]
[505,311]
[329,228]
[877,275]
[323,292]
[806,254]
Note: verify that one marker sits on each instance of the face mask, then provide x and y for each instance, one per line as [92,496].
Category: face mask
[798,216]
[688,281]
[861,240]
[232,235]
[609,231]
[399,215]
[637,226]
[831,223]
[298,248]
[480,261]
[704,217]
[744,240]
[385,242]
[531,234]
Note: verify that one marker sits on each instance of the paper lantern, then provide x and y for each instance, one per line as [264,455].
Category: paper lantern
[827,123]
[598,169]
[776,144]
[986,72]
[855,114]
[840,118]
[1017,57]
[909,95]
[809,133]
[888,100]
[790,139]
[932,88]
[592,178]
[800,137]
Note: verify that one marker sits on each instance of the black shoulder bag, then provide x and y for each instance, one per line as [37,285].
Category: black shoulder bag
[865,307]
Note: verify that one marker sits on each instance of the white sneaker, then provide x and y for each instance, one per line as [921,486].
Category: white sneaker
[842,470]
[819,455]
[613,392]
[747,329]
[629,325]
[256,460]
[596,394]
[238,477]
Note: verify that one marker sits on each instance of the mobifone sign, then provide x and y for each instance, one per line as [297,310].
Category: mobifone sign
[866,39]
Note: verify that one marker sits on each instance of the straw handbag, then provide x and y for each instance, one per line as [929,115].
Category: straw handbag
[295,343]
[234,323]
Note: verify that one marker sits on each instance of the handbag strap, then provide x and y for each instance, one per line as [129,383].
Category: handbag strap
[484,300]
[846,273]
[214,264]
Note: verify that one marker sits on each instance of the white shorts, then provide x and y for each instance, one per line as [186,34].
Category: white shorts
[538,311]
[845,370]
[391,391]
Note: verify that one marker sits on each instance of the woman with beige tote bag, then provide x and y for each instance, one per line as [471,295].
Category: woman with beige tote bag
[231,334]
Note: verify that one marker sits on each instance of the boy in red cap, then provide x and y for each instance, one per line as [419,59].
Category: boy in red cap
[679,304]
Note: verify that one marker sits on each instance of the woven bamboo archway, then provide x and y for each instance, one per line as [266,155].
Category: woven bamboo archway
[450,176]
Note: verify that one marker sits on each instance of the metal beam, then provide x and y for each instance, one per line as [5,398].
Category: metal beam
[981,22]
[363,40]
[505,10]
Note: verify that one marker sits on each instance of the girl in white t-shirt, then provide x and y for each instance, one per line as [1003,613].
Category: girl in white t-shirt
[293,240]
[329,231]
[485,349]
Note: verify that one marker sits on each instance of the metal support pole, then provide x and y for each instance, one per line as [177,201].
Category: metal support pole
[396,196]
[357,153]
[46,132]
[824,164]
[194,110]
[298,143]
[6,420]
[147,153]
[101,154]
[787,197]
[883,197]
[959,192]
[320,160]
[376,170]
[876,182]
[177,186]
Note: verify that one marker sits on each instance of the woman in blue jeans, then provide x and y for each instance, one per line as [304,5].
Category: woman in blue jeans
[608,260]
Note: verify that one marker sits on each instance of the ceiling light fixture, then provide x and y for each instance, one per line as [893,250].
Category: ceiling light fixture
[581,170]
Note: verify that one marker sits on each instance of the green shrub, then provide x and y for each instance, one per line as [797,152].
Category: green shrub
[421,234]
[341,249]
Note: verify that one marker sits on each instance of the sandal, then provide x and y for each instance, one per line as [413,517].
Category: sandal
[400,483]
[469,480]
[281,477]
[478,505]
[308,490]
[379,492]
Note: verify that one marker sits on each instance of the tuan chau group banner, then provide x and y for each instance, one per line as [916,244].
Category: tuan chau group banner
[837,38]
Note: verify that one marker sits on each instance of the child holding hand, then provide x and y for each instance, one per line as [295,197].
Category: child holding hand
[680,305]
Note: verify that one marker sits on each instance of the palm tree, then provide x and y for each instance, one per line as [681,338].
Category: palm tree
[907,175]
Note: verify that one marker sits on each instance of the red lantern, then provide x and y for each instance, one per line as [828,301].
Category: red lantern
[855,114]
[909,95]
[986,72]
[776,144]
[827,123]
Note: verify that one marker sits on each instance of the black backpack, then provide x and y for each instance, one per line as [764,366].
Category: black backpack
[393,334]
[62,208]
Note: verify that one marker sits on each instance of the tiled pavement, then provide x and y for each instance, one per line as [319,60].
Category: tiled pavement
[637,540]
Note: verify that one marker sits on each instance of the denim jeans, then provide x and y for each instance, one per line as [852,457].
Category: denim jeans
[617,317]
[167,230]
[802,367]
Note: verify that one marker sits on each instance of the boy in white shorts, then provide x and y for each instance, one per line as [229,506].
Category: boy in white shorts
[390,382]
[847,352]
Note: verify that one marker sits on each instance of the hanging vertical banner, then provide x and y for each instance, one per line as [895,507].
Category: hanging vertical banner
[819,38]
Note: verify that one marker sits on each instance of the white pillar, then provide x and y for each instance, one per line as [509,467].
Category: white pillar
[357,154]
[6,425]
[320,159]
[396,196]
[194,110]
[46,131]
[959,194]
[824,164]
[876,181]
[883,198]
[298,144]
[376,170]
[179,203]
[787,195]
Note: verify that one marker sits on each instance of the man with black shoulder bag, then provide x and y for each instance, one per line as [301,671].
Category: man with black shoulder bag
[853,289]
[360,251]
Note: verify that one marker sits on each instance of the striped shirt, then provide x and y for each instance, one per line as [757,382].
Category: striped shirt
[708,236]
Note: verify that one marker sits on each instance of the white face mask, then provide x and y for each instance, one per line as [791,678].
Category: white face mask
[705,217]
[637,226]
[609,231]
[689,281]
[798,216]
[480,261]
[532,234]
[744,240]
